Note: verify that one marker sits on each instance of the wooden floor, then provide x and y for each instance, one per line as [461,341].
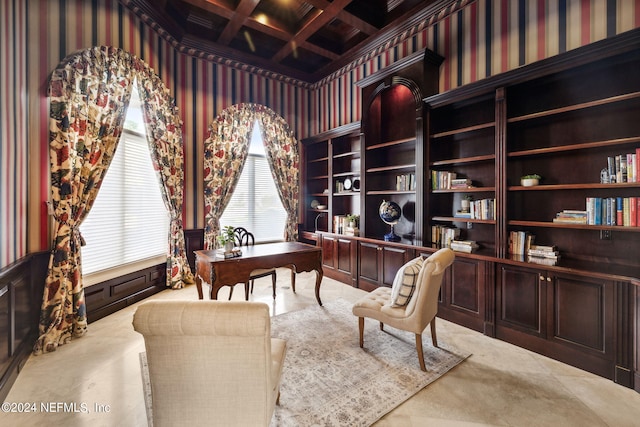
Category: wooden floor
[95,381]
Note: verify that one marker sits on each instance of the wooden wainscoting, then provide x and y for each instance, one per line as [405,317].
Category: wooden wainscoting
[21,287]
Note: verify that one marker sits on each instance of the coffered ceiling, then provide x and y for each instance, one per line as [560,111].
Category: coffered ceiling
[303,39]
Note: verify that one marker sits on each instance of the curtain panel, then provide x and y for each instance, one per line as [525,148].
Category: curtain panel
[164,134]
[226,151]
[89,94]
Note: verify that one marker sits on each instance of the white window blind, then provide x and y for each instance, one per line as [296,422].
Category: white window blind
[128,221]
[255,204]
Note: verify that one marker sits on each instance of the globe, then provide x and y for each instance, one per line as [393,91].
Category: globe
[390,212]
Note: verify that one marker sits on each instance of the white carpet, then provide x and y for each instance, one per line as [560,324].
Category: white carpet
[328,380]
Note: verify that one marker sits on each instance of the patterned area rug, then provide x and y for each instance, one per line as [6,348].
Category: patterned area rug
[328,380]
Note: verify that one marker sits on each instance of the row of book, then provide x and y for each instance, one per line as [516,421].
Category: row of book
[443,180]
[521,244]
[406,182]
[624,167]
[443,235]
[479,209]
[624,211]
[446,236]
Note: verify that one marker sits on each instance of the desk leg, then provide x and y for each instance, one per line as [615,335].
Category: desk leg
[319,275]
[199,285]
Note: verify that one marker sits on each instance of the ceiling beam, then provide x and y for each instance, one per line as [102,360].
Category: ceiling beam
[311,28]
[240,17]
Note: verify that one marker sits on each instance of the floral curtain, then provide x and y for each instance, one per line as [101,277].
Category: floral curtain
[225,152]
[284,161]
[89,94]
[164,134]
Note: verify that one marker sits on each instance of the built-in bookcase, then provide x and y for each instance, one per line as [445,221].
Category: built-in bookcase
[462,142]
[332,177]
[563,127]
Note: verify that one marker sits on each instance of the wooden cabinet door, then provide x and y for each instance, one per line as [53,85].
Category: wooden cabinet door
[369,260]
[580,313]
[379,263]
[338,258]
[392,259]
[345,251]
[328,252]
[521,300]
[463,294]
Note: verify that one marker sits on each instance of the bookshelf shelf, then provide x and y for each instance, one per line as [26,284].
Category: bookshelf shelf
[465,160]
[392,168]
[466,190]
[545,224]
[576,107]
[458,219]
[574,147]
[391,143]
[389,192]
[583,186]
[464,130]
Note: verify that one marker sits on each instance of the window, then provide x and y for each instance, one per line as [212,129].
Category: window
[255,204]
[128,221]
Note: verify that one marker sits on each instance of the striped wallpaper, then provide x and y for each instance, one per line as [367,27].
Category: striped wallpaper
[477,38]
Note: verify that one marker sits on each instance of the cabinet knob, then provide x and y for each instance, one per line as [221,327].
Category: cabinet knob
[549,279]
[541,277]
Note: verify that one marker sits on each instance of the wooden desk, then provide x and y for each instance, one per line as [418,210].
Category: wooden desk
[218,272]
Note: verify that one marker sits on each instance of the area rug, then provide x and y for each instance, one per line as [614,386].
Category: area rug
[328,380]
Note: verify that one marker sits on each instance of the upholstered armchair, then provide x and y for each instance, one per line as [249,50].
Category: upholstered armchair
[211,363]
[412,302]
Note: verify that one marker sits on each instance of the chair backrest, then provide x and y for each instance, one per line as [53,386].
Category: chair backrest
[423,305]
[209,361]
[244,237]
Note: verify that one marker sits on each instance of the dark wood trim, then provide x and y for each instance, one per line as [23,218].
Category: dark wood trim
[21,288]
[612,46]
[114,294]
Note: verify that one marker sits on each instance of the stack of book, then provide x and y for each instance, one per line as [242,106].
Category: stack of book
[460,183]
[233,253]
[466,246]
[540,254]
[520,242]
[571,216]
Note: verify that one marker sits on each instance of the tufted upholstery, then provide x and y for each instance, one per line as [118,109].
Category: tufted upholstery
[211,362]
[421,309]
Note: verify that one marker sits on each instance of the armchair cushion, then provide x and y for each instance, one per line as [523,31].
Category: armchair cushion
[404,282]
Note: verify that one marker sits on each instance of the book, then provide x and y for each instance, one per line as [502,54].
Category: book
[633,214]
[618,210]
[466,246]
[547,248]
[233,253]
[611,168]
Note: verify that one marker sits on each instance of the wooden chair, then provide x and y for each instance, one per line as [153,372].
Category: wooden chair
[211,363]
[246,238]
[421,309]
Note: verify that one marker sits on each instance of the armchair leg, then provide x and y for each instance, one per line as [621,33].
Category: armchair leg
[434,339]
[420,353]
[381,326]
[278,398]
[230,292]
[361,329]
[246,291]
[273,283]
[293,280]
